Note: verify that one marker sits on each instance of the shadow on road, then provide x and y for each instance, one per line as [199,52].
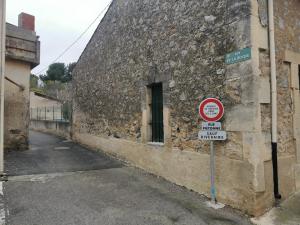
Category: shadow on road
[50,154]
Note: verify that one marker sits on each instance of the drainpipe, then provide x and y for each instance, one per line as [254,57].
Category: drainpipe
[274,97]
[2,71]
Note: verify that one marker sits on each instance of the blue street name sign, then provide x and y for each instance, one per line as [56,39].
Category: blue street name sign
[238,56]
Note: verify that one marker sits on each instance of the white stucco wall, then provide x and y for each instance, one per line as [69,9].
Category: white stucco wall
[38,101]
[16,102]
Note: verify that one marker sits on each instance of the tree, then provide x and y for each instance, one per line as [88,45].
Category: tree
[55,72]
[58,72]
[69,70]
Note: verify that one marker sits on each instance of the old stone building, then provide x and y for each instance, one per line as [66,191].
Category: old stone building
[149,64]
[22,55]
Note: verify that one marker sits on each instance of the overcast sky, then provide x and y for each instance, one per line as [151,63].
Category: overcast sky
[58,23]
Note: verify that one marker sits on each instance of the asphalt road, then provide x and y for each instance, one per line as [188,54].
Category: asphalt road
[58,182]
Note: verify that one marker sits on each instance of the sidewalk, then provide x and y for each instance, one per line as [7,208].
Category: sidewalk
[287,214]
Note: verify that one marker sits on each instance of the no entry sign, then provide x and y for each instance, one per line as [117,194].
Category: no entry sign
[211,110]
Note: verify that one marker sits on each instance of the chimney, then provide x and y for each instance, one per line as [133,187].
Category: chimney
[26,21]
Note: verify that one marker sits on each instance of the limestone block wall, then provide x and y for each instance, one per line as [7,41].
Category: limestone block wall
[287,51]
[287,33]
[181,44]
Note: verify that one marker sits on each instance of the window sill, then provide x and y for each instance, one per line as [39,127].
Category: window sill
[159,144]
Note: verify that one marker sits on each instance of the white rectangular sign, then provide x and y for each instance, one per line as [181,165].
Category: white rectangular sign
[212,135]
[211,126]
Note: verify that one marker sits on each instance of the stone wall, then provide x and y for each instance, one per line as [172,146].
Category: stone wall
[58,128]
[181,44]
[287,31]
[287,41]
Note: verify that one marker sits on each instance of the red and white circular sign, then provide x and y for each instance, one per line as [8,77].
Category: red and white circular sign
[211,110]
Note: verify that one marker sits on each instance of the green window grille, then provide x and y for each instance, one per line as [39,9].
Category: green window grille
[157,113]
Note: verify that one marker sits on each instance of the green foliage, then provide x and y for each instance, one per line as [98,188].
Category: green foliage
[55,72]
[52,88]
[34,81]
[34,84]
[66,110]
[37,90]
[58,72]
[69,70]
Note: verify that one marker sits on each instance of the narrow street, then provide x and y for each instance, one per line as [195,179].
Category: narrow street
[58,182]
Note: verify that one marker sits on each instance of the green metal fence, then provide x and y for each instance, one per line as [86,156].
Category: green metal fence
[51,113]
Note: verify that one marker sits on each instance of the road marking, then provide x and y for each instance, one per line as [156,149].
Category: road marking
[61,148]
[43,178]
[48,176]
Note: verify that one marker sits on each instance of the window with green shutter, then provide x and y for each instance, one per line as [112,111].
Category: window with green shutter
[157,113]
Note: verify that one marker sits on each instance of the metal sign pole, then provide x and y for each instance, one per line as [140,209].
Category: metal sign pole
[212,173]
[211,110]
